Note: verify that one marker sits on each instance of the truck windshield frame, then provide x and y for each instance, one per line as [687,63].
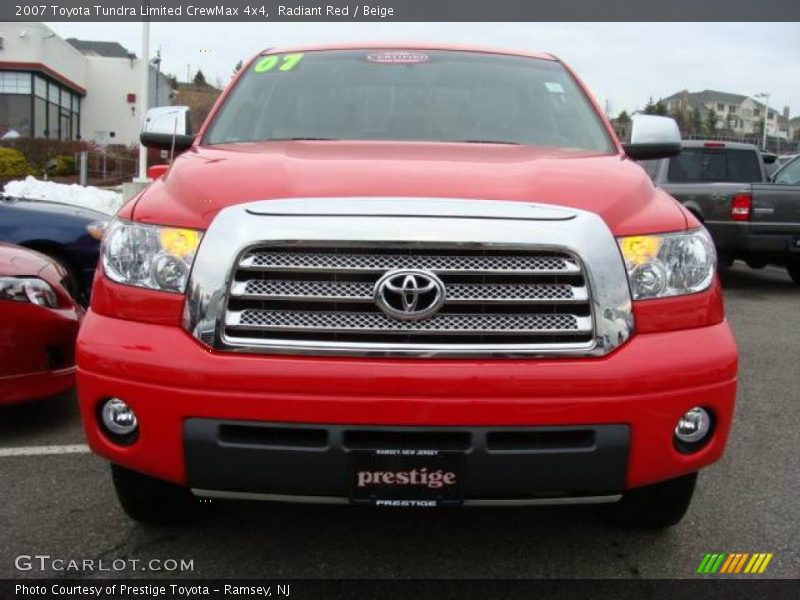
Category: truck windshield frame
[409,96]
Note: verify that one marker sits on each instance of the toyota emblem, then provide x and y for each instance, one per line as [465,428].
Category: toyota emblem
[409,294]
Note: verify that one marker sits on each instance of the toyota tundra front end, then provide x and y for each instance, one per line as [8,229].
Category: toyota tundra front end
[407,277]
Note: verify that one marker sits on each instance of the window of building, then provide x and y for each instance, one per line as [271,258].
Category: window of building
[732,109]
[757,112]
[65,125]
[40,87]
[12,82]
[53,124]
[35,105]
[15,115]
[53,93]
[39,117]
[720,107]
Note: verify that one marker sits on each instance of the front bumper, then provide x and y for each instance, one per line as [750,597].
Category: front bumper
[173,383]
[33,386]
[37,357]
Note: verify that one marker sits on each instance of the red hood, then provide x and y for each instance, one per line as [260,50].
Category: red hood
[207,179]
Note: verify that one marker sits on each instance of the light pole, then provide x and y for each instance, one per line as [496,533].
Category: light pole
[143,95]
[764,95]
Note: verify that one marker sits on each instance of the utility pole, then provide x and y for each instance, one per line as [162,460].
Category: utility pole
[765,95]
[157,65]
[143,95]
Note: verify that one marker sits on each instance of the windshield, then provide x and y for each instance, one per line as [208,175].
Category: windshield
[414,95]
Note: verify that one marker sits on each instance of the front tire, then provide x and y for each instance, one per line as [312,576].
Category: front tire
[654,506]
[152,501]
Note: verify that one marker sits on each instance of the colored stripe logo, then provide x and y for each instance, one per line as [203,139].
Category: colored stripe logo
[735,563]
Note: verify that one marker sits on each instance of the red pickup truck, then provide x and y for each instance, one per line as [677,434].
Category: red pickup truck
[398,276]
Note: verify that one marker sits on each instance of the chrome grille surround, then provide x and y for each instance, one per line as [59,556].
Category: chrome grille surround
[277,240]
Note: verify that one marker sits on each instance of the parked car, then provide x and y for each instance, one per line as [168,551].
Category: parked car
[725,186]
[39,321]
[69,235]
[407,277]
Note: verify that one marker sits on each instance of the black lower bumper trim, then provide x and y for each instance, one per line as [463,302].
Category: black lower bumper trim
[312,460]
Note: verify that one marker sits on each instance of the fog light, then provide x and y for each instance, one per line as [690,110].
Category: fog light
[693,426]
[118,417]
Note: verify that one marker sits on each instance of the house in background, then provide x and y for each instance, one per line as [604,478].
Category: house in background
[737,114]
[71,89]
[795,125]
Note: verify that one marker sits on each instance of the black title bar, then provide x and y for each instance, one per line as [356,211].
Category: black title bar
[399,10]
[744,588]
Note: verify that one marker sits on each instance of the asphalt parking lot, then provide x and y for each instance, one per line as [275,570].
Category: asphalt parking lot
[63,505]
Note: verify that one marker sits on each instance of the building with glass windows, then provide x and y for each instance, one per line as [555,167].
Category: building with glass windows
[70,89]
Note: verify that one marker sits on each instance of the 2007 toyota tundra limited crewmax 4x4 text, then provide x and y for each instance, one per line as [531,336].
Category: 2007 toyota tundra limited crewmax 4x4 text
[407,277]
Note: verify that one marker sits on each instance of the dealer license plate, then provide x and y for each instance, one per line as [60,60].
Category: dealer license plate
[406,478]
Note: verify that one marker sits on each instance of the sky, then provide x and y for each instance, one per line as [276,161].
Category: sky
[624,64]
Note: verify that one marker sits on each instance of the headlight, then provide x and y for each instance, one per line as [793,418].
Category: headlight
[149,256]
[671,264]
[28,289]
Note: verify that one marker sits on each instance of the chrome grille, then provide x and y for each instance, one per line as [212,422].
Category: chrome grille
[325,294]
[439,263]
[468,323]
[362,291]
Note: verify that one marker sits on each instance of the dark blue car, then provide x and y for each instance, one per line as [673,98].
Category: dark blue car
[68,234]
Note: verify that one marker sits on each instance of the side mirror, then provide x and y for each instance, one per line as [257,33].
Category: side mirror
[167,128]
[769,158]
[653,137]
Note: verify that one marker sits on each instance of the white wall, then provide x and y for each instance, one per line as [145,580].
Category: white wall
[36,43]
[105,110]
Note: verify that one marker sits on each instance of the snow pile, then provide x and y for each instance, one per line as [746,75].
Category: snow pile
[104,201]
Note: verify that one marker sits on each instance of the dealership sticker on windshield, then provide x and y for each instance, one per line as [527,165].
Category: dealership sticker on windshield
[554,87]
[398,57]
[283,62]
